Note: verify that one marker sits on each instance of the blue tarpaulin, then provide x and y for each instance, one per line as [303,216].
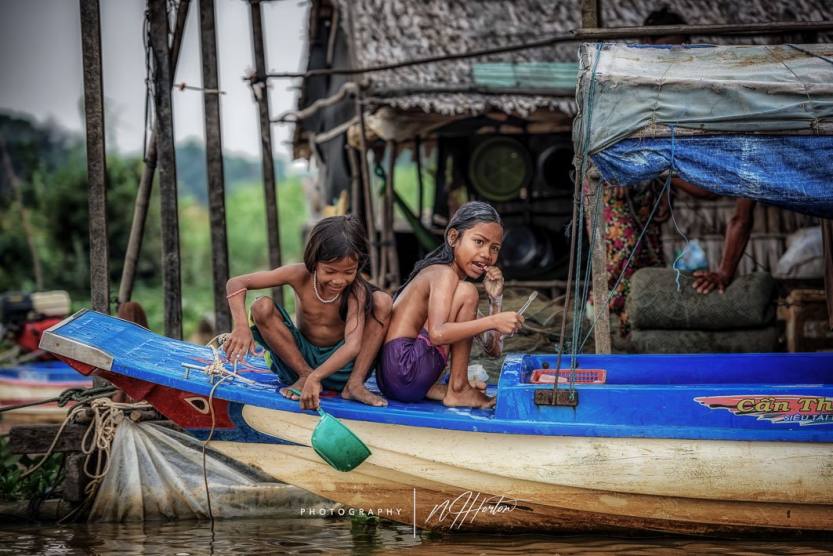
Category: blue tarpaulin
[795,172]
[752,121]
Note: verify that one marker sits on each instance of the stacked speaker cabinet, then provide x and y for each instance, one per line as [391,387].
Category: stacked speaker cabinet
[527,178]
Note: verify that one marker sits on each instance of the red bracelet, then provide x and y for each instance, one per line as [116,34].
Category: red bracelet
[241,290]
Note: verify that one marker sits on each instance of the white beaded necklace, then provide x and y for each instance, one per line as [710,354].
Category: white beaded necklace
[318,295]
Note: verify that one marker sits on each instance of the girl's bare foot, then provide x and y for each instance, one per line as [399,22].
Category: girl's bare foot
[299,386]
[468,397]
[437,392]
[360,393]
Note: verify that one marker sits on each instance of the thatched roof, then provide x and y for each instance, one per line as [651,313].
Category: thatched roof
[385,31]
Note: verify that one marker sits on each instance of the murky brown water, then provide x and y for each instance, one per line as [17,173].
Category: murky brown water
[323,536]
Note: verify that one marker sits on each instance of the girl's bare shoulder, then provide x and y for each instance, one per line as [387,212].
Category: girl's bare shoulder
[441,274]
[295,273]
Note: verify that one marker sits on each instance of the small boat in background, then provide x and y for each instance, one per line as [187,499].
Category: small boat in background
[35,381]
[692,444]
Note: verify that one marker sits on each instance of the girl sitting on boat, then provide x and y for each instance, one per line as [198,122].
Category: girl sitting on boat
[435,310]
[341,319]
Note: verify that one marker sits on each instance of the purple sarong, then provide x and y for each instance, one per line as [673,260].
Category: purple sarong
[408,367]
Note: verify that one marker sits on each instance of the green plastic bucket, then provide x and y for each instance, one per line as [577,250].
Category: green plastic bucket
[336,444]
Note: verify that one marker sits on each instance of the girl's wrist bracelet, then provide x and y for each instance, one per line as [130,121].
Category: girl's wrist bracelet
[241,290]
[497,300]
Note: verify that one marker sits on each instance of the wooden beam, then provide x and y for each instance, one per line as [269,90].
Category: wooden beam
[96,155]
[140,207]
[162,81]
[36,439]
[214,167]
[262,98]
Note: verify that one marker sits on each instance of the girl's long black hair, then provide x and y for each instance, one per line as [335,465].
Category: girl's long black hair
[467,216]
[337,237]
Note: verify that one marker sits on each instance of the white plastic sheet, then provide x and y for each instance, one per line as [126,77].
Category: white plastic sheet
[157,473]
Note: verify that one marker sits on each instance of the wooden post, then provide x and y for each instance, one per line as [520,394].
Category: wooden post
[368,193]
[355,182]
[214,166]
[262,97]
[591,16]
[96,155]
[162,80]
[390,238]
[420,183]
[140,208]
[598,254]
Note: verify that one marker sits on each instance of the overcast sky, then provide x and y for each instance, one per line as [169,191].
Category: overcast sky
[41,70]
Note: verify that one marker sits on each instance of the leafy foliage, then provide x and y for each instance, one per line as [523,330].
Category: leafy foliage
[12,466]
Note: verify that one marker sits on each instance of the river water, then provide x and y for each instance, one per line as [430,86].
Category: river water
[341,536]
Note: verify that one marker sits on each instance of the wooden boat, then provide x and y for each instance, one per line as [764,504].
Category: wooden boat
[700,444]
[34,381]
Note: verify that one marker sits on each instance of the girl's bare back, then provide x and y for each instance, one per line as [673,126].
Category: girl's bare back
[411,305]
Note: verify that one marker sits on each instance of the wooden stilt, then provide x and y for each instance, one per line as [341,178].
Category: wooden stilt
[96,155]
[420,183]
[390,238]
[214,166]
[355,182]
[598,254]
[261,94]
[140,208]
[368,194]
[171,271]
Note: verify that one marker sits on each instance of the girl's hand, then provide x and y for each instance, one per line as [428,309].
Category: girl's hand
[507,322]
[310,394]
[238,344]
[493,282]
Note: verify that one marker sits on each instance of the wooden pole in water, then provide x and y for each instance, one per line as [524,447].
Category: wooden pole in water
[140,208]
[214,166]
[261,93]
[162,80]
[96,155]
[390,238]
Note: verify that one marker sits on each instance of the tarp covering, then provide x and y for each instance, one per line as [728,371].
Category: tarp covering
[157,473]
[792,171]
[742,121]
[763,88]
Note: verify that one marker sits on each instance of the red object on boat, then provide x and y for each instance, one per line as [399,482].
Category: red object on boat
[29,336]
[582,376]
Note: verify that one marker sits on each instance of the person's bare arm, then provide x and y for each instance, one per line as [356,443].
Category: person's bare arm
[737,236]
[443,332]
[692,189]
[240,340]
[493,284]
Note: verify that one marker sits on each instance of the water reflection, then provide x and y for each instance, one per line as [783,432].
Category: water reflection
[338,536]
